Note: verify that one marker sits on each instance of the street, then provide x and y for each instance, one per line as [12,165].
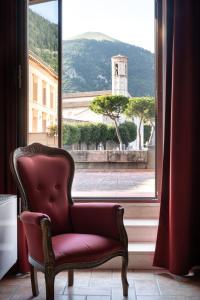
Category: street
[124,183]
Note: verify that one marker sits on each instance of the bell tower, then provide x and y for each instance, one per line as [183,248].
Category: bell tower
[120,75]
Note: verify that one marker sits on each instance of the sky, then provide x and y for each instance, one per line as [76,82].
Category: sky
[47,10]
[130,21]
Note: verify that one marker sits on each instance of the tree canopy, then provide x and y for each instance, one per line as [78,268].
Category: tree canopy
[143,108]
[111,106]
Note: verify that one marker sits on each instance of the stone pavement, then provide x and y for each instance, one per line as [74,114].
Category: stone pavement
[121,183]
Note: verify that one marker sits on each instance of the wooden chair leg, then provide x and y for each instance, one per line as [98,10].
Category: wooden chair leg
[49,280]
[124,275]
[70,277]
[34,281]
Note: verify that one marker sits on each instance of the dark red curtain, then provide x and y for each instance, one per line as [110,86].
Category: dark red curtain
[178,241]
[8,94]
[9,108]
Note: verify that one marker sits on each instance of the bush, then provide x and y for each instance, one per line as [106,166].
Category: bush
[111,136]
[71,134]
[103,134]
[132,131]
[85,133]
[128,132]
[91,133]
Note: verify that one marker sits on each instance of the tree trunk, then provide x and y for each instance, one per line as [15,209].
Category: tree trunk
[152,133]
[139,134]
[118,134]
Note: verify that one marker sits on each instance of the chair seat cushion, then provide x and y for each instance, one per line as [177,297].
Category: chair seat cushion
[82,248]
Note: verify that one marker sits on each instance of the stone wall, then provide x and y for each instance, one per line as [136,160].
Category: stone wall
[110,159]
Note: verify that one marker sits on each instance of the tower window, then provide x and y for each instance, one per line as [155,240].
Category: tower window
[116,69]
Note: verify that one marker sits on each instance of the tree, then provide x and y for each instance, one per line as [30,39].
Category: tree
[71,134]
[140,107]
[150,117]
[132,131]
[112,107]
[147,133]
[103,135]
[111,134]
[85,133]
[128,132]
[94,134]
[124,132]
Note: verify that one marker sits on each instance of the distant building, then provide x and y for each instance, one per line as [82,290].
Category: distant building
[120,75]
[43,91]
[76,107]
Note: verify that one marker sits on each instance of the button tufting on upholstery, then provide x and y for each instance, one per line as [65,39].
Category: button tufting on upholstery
[51,199]
[57,186]
[39,187]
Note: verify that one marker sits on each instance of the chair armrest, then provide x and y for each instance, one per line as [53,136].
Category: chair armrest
[103,219]
[33,223]
[28,217]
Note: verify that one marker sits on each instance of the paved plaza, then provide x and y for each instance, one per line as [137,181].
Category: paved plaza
[123,183]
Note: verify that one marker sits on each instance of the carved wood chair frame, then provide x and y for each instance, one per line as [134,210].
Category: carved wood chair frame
[48,267]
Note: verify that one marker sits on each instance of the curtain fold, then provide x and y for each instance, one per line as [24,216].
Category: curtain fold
[9,111]
[178,241]
[8,95]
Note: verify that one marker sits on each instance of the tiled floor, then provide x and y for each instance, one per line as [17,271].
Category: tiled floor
[106,285]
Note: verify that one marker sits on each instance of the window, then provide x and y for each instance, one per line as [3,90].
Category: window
[105,168]
[44,122]
[116,69]
[114,152]
[35,87]
[44,93]
[51,97]
[35,121]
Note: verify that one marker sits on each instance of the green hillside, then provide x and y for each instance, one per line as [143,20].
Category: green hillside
[43,39]
[87,59]
[87,66]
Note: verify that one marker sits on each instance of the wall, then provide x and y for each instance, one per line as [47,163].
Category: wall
[43,138]
[110,159]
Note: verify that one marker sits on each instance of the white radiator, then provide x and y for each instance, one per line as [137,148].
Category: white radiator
[8,233]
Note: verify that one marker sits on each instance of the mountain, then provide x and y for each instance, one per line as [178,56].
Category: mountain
[98,36]
[87,58]
[87,65]
[43,39]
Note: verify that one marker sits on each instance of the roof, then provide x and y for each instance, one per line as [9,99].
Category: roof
[86,94]
[33,57]
[119,56]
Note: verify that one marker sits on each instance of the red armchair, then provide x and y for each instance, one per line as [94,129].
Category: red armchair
[62,235]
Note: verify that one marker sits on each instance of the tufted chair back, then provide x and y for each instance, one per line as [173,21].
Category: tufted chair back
[44,177]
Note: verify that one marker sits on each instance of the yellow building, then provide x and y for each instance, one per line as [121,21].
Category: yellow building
[43,96]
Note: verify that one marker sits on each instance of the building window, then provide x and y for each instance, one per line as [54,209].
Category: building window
[44,93]
[116,69]
[34,120]
[44,122]
[35,87]
[51,97]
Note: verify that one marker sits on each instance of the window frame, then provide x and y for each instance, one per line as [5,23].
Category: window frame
[23,93]
[158,4]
